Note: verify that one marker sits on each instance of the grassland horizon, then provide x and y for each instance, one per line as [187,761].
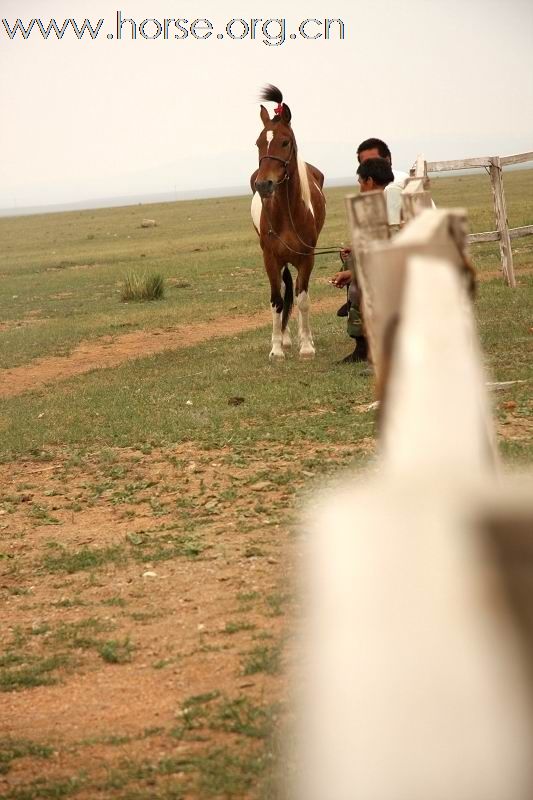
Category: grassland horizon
[150,198]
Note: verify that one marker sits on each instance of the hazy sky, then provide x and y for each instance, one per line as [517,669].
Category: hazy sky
[88,119]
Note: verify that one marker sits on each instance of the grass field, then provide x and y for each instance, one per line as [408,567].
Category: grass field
[151,469]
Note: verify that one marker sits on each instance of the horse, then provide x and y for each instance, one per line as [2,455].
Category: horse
[288,212]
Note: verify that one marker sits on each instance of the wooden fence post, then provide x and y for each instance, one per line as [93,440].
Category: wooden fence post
[503,233]
[380,264]
[418,662]
[368,219]
[496,181]
[368,222]
[415,198]
[420,167]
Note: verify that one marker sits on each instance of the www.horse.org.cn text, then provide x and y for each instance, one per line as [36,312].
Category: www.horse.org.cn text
[271,32]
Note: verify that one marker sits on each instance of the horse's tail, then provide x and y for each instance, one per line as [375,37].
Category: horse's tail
[288,298]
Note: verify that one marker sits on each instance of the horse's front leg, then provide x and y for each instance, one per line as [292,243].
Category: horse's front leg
[307,349]
[273,270]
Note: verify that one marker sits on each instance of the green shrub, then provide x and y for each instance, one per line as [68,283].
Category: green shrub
[142,286]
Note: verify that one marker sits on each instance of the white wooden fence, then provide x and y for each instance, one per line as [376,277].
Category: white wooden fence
[418,669]
[494,165]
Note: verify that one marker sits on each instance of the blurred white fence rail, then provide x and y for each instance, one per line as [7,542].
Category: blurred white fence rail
[494,166]
[417,650]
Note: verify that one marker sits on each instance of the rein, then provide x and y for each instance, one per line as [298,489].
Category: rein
[317,251]
[282,161]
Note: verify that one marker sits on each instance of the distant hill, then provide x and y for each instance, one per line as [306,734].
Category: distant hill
[197,194]
[156,197]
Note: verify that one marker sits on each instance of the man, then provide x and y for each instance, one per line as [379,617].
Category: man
[374,174]
[376,148]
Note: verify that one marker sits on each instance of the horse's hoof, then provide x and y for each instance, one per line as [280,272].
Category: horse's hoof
[287,345]
[274,355]
[308,352]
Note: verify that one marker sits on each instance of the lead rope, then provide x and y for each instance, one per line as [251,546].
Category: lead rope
[317,251]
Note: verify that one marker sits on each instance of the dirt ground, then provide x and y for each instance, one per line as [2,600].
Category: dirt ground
[148,609]
[146,601]
[182,560]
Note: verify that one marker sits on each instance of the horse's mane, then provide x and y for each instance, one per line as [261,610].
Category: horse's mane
[271,94]
[304,183]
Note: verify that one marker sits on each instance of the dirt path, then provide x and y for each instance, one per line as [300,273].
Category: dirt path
[489,275]
[110,351]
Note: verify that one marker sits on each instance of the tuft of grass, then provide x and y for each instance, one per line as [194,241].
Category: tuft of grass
[146,547]
[263,659]
[115,601]
[61,560]
[43,516]
[81,635]
[194,714]
[114,739]
[21,591]
[67,602]
[115,652]
[142,286]
[46,790]
[213,712]
[11,749]
[223,774]
[235,627]
[253,552]
[244,718]
[26,672]
[162,663]
[276,602]
[245,598]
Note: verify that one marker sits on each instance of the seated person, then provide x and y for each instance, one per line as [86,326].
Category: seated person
[376,148]
[374,174]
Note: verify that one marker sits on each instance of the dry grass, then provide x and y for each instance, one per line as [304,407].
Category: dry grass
[140,287]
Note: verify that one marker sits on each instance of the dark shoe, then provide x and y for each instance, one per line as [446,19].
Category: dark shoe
[360,353]
[344,309]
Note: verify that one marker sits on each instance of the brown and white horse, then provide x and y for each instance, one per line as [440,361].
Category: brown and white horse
[288,212]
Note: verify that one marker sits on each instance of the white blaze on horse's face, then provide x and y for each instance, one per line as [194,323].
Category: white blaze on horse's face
[275,145]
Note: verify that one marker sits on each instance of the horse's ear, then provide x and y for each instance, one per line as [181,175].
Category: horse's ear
[265,117]
[286,115]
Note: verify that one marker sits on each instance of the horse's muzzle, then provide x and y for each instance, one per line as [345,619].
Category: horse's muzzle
[265,188]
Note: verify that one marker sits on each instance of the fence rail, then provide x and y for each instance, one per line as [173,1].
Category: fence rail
[418,662]
[494,165]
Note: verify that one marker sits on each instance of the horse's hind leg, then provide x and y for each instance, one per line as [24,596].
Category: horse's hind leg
[286,340]
[307,349]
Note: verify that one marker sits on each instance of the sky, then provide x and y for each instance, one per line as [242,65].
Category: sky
[84,119]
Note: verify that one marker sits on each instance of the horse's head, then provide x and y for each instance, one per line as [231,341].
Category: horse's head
[276,145]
